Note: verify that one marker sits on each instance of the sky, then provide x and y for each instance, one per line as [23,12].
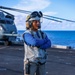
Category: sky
[57,8]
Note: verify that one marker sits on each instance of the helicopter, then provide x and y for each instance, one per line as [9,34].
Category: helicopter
[8,30]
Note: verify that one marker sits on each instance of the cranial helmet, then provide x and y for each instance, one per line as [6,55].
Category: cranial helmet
[33,16]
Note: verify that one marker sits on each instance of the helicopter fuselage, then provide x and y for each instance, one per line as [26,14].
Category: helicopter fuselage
[8,30]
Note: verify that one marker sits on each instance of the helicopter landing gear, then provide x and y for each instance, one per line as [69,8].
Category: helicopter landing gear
[7,43]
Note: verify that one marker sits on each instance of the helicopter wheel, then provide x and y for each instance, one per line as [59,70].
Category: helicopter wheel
[6,43]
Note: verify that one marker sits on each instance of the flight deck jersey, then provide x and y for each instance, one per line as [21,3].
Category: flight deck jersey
[33,52]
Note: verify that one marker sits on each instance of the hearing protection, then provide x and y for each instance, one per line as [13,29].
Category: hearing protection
[34,16]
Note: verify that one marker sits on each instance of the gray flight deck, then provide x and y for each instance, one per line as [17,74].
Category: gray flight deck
[59,61]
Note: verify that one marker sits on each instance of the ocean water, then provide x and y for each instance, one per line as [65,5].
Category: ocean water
[65,38]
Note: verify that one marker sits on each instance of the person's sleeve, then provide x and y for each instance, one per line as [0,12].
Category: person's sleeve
[30,40]
[46,45]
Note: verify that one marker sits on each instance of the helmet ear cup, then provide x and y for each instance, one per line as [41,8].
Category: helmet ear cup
[28,25]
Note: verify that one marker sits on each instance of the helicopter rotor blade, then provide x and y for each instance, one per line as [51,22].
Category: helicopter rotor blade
[58,18]
[6,12]
[44,16]
[13,9]
[24,11]
[52,19]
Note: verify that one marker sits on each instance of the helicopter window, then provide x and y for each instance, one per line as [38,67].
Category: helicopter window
[2,21]
[6,22]
[9,22]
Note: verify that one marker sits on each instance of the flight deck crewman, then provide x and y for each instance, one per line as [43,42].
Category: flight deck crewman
[35,43]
